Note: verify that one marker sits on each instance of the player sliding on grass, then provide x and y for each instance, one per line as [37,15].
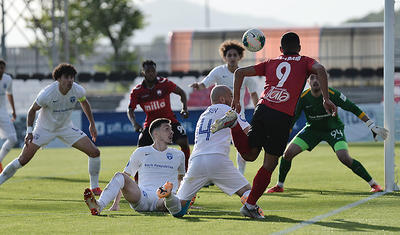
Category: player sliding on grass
[323,127]
[56,103]
[285,78]
[155,164]
[209,162]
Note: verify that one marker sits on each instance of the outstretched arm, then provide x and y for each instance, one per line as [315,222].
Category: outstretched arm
[132,118]
[88,112]
[182,94]
[239,75]
[322,76]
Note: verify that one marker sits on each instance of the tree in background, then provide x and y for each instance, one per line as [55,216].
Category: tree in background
[89,21]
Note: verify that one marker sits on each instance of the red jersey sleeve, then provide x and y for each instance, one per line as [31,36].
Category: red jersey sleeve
[133,99]
[261,68]
[170,85]
[310,62]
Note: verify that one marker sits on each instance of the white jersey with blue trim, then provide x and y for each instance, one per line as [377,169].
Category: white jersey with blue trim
[156,167]
[57,108]
[205,142]
[221,75]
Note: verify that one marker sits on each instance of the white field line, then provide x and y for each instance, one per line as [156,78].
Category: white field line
[321,217]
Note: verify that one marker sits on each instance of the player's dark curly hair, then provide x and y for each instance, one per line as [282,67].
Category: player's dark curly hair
[3,62]
[148,63]
[290,43]
[157,123]
[64,68]
[231,44]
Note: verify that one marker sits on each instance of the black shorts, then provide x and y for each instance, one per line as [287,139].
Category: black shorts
[146,140]
[270,129]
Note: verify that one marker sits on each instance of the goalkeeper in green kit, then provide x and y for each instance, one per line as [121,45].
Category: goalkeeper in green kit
[325,127]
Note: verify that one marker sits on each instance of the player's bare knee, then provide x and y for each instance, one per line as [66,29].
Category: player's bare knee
[289,155]
[95,152]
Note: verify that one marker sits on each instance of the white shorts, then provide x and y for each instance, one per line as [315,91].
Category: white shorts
[218,169]
[69,135]
[148,201]
[7,128]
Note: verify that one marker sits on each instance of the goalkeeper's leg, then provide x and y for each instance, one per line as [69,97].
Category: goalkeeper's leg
[357,168]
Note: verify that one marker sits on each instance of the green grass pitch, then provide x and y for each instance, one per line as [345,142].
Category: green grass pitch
[46,197]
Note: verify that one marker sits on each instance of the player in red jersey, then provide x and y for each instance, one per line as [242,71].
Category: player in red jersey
[153,96]
[285,78]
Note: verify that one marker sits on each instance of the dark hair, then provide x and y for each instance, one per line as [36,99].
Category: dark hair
[157,123]
[3,62]
[290,43]
[148,63]
[63,68]
[231,44]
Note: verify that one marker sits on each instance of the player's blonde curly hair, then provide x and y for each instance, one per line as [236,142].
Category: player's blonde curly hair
[231,44]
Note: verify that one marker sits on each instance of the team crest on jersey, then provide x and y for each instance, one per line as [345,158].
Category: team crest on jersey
[159,92]
[72,99]
[169,156]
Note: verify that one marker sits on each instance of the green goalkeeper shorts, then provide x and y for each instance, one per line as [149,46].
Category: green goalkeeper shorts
[308,138]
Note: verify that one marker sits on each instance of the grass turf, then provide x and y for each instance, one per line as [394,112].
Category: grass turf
[46,197]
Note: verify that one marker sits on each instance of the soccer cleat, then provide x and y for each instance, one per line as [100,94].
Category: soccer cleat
[275,189]
[1,168]
[243,200]
[165,190]
[376,188]
[192,201]
[91,202]
[228,120]
[97,191]
[255,213]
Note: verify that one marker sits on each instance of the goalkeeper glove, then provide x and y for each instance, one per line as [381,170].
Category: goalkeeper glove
[376,130]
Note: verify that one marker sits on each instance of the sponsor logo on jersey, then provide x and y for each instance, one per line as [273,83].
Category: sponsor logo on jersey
[154,105]
[72,99]
[277,95]
[169,156]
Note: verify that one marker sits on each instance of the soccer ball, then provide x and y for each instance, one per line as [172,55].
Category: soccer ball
[253,40]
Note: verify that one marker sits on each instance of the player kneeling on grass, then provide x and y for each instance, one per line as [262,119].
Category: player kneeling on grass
[209,161]
[56,102]
[323,127]
[155,164]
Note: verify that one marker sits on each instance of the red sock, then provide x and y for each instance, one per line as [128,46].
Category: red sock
[186,151]
[240,139]
[260,183]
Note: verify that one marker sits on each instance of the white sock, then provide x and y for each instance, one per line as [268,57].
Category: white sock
[241,163]
[111,190]
[10,170]
[280,184]
[94,169]
[372,182]
[7,146]
[251,207]
[173,204]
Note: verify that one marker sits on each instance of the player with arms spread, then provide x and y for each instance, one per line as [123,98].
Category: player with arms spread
[285,78]
[153,96]
[155,164]
[56,102]
[209,162]
[7,129]
[324,127]
[231,52]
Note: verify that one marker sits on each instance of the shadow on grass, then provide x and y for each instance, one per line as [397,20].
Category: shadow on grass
[62,179]
[357,227]
[296,192]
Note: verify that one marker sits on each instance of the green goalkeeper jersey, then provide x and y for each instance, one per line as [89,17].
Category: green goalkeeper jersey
[316,116]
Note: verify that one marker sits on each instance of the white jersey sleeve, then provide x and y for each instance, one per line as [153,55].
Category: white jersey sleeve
[212,77]
[9,87]
[182,167]
[135,162]
[81,93]
[42,98]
